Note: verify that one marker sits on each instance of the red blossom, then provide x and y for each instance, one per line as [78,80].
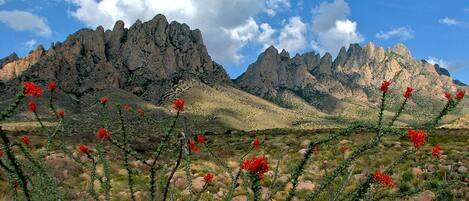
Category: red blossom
[84,150]
[256,165]
[32,106]
[385,180]
[178,104]
[127,107]
[460,95]
[385,86]
[141,112]
[25,140]
[208,178]
[1,153]
[201,139]
[103,134]
[448,96]
[417,137]
[436,151]
[408,92]
[52,86]
[61,113]
[255,143]
[103,100]
[343,148]
[193,147]
[31,89]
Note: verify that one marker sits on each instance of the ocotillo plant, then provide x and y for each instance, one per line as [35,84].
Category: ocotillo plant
[30,179]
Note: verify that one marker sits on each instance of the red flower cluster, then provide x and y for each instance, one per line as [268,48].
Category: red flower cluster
[460,95]
[408,92]
[448,96]
[32,106]
[201,139]
[417,137]
[255,143]
[193,147]
[103,100]
[84,150]
[61,113]
[52,86]
[208,178]
[385,86]
[178,104]
[31,89]
[103,134]
[385,180]
[25,140]
[257,166]
[343,149]
[141,112]
[436,151]
[127,107]
[1,153]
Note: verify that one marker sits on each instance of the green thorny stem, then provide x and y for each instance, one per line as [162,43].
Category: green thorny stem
[450,105]
[50,135]
[188,159]
[301,165]
[157,155]
[178,162]
[16,167]
[398,113]
[204,188]
[92,178]
[234,178]
[381,114]
[255,186]
[106,185]
[10,111]
[335,195]
[360,191]
[126,155]
[274,181]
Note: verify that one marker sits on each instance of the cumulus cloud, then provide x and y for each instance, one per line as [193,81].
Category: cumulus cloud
[25,21]
[402,33]
[450,65]
[266,35]
[332,28]
[292,36]
[272,6]
[30,44]
[448,21]
[226,24]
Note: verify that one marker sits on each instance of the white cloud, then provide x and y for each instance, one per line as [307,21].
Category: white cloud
[292,36]
[448,21]
[225,24]
[440,62]
[402,33]
[25,21]
[272,6]
[31,44]
[266,35]
[453,65]
[332,29]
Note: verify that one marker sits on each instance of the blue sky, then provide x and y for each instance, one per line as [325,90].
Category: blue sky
[236,31]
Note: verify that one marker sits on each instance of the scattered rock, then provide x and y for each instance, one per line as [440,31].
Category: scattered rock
[239,198]
[198,183]
[462,169]
[123,172]
[345,142]
[417,171]
[306,185]
[302,151]
[426,196]
[305,143]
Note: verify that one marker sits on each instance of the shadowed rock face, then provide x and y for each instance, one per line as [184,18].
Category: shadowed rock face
[145,59]
[354,74]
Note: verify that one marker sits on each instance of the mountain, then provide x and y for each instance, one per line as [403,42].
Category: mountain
[355,74]
[146,59]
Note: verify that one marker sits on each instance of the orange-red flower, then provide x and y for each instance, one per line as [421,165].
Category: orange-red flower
[201,139]
[178,104]
[52,86]
[141,112]
[103,100]
[408,92]
[84,150]
[343,148]
[417,137]
[103,134]
[25,140]
[61,113]
[256,165]
[32,106]
[448,96]
[255,143]
[460,95]
[385,86]
[127,107]
[385,180]
[436,151]
[193,147]
[31,89]
[208,178]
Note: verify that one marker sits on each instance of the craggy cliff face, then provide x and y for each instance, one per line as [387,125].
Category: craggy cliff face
[145,59]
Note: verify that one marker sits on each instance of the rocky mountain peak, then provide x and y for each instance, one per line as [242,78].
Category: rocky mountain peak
[401,50]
